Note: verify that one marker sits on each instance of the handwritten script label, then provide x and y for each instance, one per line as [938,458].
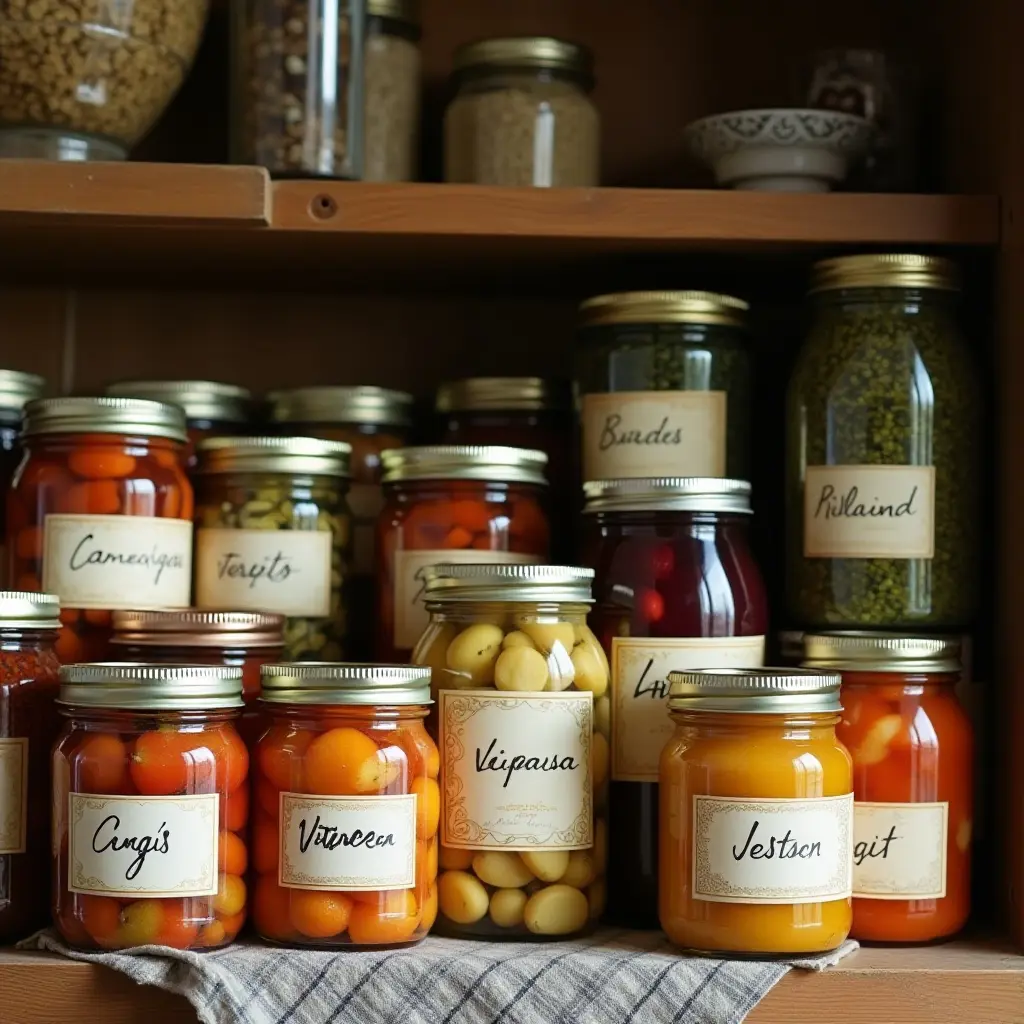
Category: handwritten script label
[899,850]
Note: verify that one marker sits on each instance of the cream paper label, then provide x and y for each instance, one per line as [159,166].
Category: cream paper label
[366,502]
[869,512]
[640,666]
[284,571]
[135,562]
[899,850]
[143,846]
[653,433]
[772,851]
[347,842]
[411,615]
[515,770]
[13,794]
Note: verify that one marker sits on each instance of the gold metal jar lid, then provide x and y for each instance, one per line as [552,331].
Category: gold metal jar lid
[541,52]
[301,455]
[664,308]
[362,404]
[488,463]
[483,581]
[748,691]
[304,682]
[667,494]
[105,415]
[25,609]
[193,627]
[17,388]
[201,399]
[867,651]
[151,687]
[885,270]
[478,394]
[397,10]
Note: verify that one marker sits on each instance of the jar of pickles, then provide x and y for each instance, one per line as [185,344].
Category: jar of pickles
[100,513]
[676,587]
[16,389]
[451,503]
[516,671]
[347,807]
[150,804]
[273,533]
[28,726]
[756,819]
[913,762]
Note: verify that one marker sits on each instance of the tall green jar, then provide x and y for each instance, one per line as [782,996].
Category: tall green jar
[883,424]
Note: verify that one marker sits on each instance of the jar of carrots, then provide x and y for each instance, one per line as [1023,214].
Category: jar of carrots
[347,807]
[150,805]
[913,752]
[100,513]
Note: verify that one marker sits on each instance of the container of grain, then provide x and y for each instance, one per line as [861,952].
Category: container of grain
[522,114]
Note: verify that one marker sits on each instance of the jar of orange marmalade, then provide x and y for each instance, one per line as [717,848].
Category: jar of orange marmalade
[347,807]
[912,747]
[756,815]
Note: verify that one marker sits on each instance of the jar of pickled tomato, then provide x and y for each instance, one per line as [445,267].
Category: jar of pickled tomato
[913,756]
[150,805]
[515,671]
[100,513]
[676,587]
[451,503]
[347,807]
[756,824]
[29,724]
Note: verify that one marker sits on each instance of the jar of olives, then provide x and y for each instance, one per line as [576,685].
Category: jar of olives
[521,686]
[273,533]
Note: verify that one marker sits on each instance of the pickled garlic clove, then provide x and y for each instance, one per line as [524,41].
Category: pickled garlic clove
[875,745]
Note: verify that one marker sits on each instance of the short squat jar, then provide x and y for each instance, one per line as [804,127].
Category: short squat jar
[756,814]
[347,807]
[913,761]
[676,587]
[515,671]
[149,760]
[883,422]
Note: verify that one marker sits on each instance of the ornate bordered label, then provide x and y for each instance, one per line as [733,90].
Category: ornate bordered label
[13,794]
[899,850]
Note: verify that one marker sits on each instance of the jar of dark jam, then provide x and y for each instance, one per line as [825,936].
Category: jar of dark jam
[676,588]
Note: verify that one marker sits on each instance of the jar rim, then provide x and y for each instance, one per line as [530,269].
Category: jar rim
[486,463]
[201,399]
[885,270]
[764,690]
[25,609]
[18,388]
[363,404]
[296,455]
[667,494]
[104,414]
[197,627]
[502,581]
[874,651]
[541,53]
[498,394]
[345,683]
[664,307]
[138,687]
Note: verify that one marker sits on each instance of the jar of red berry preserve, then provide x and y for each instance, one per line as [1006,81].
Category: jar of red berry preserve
[676,588]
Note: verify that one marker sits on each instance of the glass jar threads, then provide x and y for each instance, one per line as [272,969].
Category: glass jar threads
[516,671]
[29,723]
[100,513]
[913,759]
[274,533]
[882,469]
[347,807]
[676,587]
[150,803]
[665,380]
[522,115]
[756,813]
[451,503]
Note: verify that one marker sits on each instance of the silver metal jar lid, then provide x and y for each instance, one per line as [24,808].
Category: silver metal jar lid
[483,394]
[866,651]
[344,683]
[151,687]
[486,463]
[105,415]
[362,404]
[300,455]
[754,691]
[25,609]
[192,627]
[667,494]
[17,388]
[481,581]
[201,399]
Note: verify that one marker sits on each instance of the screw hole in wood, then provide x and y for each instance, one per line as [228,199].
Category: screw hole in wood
[323,207]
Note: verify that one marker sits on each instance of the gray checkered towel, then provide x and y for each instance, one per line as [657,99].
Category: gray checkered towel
[610,977]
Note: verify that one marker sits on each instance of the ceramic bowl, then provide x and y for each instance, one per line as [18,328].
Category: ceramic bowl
[780,150]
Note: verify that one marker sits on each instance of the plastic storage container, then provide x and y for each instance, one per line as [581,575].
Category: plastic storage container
[16,389]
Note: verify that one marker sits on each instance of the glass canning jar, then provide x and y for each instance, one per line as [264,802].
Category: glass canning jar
[676,587]
[451,503]
[883,424]
[756,814]
[29,724]
[150,804]
[100,513]
[274,534]
[515,671]
[665,380]
[913,761]
[347,807]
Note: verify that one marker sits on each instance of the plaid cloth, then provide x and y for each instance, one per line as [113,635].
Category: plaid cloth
[610,977]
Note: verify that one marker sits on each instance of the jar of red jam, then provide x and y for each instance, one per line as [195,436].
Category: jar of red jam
[676,588]
[451,503]
[29,723]
[913,757]
[150,804]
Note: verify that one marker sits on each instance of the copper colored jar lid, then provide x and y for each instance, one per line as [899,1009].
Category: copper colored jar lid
[151,687]
[486,463]
[363,404]
[481,394]
[192,627]
[344,683]
[25,609]
[105,415]
[866,651]
[18,388]
[495,581]
[201,399]
[302,456]
[745,691]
